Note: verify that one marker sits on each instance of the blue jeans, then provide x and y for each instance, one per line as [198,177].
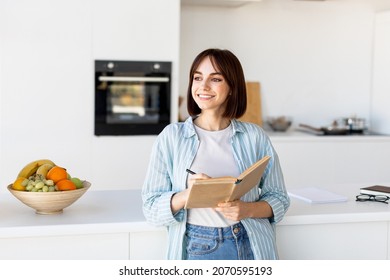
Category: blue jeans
[210,243]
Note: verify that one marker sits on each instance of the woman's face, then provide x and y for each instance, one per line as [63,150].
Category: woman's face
[209,88]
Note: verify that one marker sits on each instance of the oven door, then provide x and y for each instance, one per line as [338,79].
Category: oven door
[134,99]
[129,102]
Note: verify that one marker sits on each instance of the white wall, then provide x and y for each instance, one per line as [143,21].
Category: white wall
[47,58]
[313,59]
[2,17]
[318,52]
[380,113]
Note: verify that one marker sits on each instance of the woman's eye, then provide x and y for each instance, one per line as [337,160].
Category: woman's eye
[216,79]
[197,78]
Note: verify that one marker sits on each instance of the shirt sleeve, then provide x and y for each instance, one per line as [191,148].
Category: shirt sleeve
[157,188]
[273,189]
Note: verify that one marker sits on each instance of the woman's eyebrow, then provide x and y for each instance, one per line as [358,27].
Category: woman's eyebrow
[211,74]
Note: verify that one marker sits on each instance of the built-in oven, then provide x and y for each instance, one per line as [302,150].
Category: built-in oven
[132,97]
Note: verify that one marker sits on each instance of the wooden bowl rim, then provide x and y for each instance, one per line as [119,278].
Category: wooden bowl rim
[83,189]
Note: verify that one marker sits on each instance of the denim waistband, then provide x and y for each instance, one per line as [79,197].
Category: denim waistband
[235,231]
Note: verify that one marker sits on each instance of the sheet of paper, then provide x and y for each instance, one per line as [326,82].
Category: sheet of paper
[317,195]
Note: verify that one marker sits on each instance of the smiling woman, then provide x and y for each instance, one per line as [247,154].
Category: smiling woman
[205,72]
[215,144]
[209,89]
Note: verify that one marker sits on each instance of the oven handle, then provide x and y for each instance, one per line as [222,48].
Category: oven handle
[134,79]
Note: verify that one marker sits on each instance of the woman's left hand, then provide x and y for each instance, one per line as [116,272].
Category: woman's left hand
[238,210]
[234,210]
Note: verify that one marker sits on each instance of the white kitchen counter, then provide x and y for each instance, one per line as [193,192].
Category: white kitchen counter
[120,211]
[295,134]
[110,225]
[95,212]
[303,213]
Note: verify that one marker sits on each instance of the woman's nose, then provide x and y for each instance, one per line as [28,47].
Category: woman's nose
[205,85]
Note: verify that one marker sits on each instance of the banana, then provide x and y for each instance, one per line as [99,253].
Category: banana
[32,167]
[43,169]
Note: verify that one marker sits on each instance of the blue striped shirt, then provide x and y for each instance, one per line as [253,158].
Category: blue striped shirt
[175,149]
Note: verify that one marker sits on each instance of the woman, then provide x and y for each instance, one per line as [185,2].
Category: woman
[214,143]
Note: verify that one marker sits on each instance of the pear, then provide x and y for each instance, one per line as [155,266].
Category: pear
[77,182]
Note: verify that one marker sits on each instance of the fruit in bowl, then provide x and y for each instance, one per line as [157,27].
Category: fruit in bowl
[47,187]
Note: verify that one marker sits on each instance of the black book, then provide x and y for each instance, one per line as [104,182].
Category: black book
[376,190]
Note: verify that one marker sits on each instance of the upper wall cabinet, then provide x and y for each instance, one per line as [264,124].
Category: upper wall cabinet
[219,3]
[136,30]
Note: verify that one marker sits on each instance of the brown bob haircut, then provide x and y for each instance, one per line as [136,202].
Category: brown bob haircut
[230,67]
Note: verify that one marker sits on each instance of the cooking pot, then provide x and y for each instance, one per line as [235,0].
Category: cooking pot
[355,125]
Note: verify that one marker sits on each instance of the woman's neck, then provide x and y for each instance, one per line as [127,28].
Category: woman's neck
[211,123]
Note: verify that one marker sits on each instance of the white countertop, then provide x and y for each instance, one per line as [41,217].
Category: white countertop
[302,212]
[95,212]
[120,211]
[298,135]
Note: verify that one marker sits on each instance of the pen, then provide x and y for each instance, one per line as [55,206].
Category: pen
[190,171]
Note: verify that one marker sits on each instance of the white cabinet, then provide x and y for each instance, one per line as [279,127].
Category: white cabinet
[388,241]
[148,245]
[51,46]
[328,241]
[71,247]
[346,241]
[136,30]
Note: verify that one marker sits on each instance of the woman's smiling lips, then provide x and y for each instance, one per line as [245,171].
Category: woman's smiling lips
[204,96]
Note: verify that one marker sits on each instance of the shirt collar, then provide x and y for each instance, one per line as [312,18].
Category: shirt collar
[189,129]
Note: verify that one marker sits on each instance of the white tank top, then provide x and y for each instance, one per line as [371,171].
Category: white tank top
[214,158]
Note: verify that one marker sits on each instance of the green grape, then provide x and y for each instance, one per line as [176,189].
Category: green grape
[49,182]
[34,189]
[52,189]
[29,187]
[39,185]
[45,188]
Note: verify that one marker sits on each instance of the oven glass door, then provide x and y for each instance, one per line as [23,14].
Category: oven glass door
[134,99]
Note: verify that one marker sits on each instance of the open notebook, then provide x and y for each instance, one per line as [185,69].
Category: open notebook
[209,192]
[317,195]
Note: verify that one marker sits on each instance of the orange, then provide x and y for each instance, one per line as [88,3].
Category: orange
[57,174]
[65,185]
[17,185]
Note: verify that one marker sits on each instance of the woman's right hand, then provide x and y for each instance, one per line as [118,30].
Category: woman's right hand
[179,199]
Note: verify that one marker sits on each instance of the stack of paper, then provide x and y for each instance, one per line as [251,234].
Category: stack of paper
[316,195]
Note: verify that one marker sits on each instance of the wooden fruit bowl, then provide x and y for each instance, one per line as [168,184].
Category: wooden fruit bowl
[49,202]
